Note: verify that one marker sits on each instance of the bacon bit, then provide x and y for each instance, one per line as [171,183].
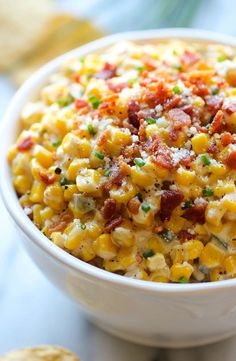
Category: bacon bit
[199,88]
[64,219]
[169,201]
[214,103]
[46,177]
[129,153]
[149,64]
[142,131]
[173,134]
[227,139]
[166,185]
[217,123]
[186,160]
[109,208]
[26,144]
[158,229]
[159,97]
[139,258]
[230,161]
[179,118]
[230,108]
[113,223]
[129,126]
[188,108]
[111,98]
[102,140]
[81,103]
[118,173]
[108,71]
[172,102]
[76,78]
[133,205]
[200,129]
[117,88]
[188,58]
[133,109]
[184,235]
[196,213]
[212,149]
[163,157]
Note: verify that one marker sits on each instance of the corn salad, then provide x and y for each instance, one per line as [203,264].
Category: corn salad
[127,160]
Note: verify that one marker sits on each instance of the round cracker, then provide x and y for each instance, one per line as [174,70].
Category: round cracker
[40,353]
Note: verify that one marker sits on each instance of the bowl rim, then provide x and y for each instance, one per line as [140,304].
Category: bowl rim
[8,194]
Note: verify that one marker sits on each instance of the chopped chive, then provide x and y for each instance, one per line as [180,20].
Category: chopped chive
[167,235]
[88,76]
[140,68]
[148,253]
[223,243]
[205,159]
[151,120]
[140,197]
[221,58]
[132,81]
[64,181]
[56,143]
[91,130]
[64,101]
[83,226]
[57,170]
[208,126]
[146,207]
[139,162]
[183,280]
[95,102]
[176,89]
[99,155]
[187,204]
[177,67]
[214,90]
[208,192]
[107,173]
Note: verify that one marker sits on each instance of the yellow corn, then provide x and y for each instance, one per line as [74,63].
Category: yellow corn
[88,181]
[22,184]
[230,265]
[104,247]
[184,177]
[123,193]
[53,197]
[141,178]
[36,215]
[192,249]
[75,166]
[212,255]
[200,143]
[37,192]
[181,271]
[156,262]
[43,156]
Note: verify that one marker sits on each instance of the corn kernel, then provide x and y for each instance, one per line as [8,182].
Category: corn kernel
[192,249]
[123,236]
[200,143]
[70,191]
[22,184]
[53,197]
[46,214]
[123,193]
[88,180]
[36,215]
[179,271]
[75,146]
[75,166]
[156,262]
[212,256]
[214,213]
[230,265]
[104,247]
[141,178]
[216,274]
[43,156]
[229,202]
[184,177]
[37,192]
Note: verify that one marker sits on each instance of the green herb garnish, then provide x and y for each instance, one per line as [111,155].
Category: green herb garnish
[177,67]
[140,68]
[146,207]
[64,181]
[151,120]
[64,101]
[187,204]
[91,130]
[139,162]
[83,226]
[94,101]
[222,57]
[205,159]
[56,143]
[214,90]
[167,235]
[208,192]
[99,155]
[107,173]
[223,243]
[148,253]
[176,89]
[183,280]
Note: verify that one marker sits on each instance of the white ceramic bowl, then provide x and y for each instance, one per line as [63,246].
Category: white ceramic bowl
[168,315]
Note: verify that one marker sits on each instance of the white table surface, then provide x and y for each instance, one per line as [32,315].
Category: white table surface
[32,311]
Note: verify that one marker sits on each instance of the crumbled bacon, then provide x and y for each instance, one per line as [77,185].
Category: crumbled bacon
[113,223]
[227,139]
[117,87]
[170,199]
[196,213]
[184,235]
[81,103]
[46,177]
[163,157]
[133,109]
[214,102]
[108,71]
[212,149]
[166,185]
[199,87]
[133,205]
[188,58]
[173,134]
[25,144]
[109,208]
[230,108]
[217,123]
[230,161]
[179,118]
[172,102]
[187,108]
[160,95]
[64,219]
[149,64]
